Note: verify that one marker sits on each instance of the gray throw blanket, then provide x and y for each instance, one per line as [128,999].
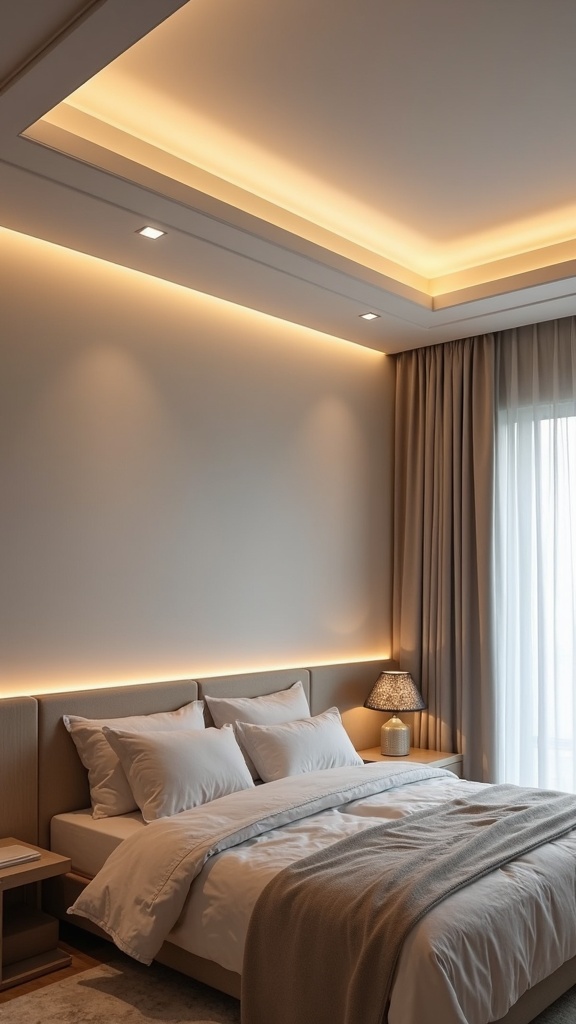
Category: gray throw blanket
[326,932]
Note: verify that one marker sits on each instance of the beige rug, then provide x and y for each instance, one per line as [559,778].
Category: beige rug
[128,993]
[123,994]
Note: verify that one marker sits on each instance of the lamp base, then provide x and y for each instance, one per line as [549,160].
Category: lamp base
[395,738]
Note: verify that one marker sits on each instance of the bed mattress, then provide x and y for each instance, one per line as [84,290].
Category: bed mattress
[88,841]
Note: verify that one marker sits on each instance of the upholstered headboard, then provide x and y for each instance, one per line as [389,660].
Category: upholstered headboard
[39,759]
[347,686]
[62,780]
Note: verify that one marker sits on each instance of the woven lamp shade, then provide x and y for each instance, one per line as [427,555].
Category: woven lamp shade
[395,691]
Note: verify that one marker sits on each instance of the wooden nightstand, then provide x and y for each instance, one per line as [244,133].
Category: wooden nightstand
[28,937]
[433,758]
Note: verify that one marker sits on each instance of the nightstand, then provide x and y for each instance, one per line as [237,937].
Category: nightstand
[28,937]
[432,758]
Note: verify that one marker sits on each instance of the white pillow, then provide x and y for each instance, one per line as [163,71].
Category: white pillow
[298,747]
[171,772]
[109,790]
[270,709]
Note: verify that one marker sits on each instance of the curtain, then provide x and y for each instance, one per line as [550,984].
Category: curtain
[443,537]
[535,555]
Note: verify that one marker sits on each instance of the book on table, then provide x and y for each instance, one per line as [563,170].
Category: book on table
[16,854]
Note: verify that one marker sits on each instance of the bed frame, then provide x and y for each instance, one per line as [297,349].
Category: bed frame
[41,775]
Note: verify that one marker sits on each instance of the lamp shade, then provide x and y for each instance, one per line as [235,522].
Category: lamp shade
[395,691]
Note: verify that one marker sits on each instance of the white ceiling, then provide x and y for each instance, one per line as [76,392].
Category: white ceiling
[314,161]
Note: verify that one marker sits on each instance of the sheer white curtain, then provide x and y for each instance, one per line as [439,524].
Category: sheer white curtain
[535,556]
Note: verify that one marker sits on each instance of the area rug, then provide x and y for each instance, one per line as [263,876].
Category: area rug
[132,994]
[563,1011]
[125,994]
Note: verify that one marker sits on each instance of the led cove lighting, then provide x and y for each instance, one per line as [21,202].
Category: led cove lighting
[369,316]
[149,232]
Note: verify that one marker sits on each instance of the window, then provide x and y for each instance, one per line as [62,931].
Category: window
[535,594]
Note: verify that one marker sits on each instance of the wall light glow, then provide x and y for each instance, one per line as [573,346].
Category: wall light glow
[58,684]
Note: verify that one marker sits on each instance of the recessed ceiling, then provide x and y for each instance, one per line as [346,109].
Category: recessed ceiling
[313,161]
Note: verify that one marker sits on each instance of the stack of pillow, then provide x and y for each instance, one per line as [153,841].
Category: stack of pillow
[168,762]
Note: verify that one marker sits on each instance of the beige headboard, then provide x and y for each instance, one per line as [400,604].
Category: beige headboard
[347,686]
[18,768]
[62,780]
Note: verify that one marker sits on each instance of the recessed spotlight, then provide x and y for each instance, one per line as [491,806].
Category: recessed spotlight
[370,316]
[149,232]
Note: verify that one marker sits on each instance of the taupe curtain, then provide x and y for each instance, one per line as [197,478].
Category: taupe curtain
[443,515]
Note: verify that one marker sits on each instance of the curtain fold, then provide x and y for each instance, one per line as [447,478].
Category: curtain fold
[484,612]
[443,531]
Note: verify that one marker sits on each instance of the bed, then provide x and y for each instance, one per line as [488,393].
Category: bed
[206,939]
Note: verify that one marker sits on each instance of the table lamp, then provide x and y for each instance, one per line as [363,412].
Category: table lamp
[395,691]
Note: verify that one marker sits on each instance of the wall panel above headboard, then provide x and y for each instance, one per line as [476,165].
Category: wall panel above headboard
[19,768]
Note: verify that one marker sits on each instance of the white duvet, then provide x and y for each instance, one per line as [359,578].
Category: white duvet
[466,963]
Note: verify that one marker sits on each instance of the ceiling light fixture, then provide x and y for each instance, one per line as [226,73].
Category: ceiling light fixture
[370,316]
[149,232]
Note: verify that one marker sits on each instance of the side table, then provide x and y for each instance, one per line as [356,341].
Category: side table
[432,758]
[28,937]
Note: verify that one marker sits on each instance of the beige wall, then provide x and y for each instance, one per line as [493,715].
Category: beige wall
[188,487]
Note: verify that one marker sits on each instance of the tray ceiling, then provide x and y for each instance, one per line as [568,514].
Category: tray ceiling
[313,161]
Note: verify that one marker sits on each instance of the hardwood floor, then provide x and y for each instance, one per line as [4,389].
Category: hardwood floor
[86,951]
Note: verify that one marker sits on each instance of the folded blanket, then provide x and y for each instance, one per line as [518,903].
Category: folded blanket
[326,933]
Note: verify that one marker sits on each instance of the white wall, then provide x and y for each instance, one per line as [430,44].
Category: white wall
[188,487]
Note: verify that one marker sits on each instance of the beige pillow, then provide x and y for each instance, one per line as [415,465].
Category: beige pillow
[270,709]
[172,772]
[110,792]
[298,747]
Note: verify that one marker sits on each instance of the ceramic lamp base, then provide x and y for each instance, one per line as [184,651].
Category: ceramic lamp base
[395,738]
